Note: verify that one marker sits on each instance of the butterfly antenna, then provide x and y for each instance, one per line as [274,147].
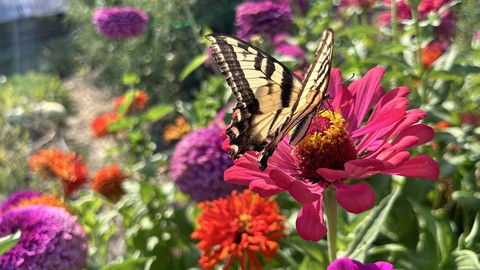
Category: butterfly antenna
[349,79]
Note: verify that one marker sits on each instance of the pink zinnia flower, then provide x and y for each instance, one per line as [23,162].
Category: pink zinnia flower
[447,19]
[477,36]
[339,147]
[349,264]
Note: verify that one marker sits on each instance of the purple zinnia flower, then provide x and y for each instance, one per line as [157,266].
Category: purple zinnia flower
[265,17]
[120,22]
[51,239]
[349,264]
[283,47]
[290,50]
[16,197]
[198,163]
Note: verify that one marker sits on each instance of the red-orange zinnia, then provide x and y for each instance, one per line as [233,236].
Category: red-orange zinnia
[139,102]
[101,123]
[108,182]
[68,167]
[431,53]
[240,226]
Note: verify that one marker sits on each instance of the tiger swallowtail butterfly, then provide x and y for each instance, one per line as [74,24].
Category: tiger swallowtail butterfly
[271,99]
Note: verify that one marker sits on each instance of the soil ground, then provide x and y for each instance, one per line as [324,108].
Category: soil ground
[89,101]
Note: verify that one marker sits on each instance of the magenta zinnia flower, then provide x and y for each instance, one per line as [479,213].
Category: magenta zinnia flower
[198,163]
[120,22]
[339,147]
[264,17]
[51,239]
[349,264]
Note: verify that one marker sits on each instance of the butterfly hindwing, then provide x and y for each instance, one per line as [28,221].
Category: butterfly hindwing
[271,100]
[264,88]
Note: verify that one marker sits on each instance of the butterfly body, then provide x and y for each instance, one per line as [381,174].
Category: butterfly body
[271,99]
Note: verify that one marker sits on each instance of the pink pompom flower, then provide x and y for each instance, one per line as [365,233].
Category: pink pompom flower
[342,146]
[120,22]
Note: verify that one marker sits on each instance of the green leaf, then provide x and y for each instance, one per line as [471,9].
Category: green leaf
[193,65]
[472,238]
[445,75]
[9,241]
[381,59]
[358,30]
[313,253]
[465,69]
[136,263]
[464,260]
[130,79]
[368,230]
[439,232]
[129,97]
[122,124]
[470,199]
[156,112]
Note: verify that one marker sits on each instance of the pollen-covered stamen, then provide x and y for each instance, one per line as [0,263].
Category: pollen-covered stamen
[243,226]
[326,145]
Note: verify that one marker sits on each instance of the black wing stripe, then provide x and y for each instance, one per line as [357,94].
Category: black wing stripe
[286,86]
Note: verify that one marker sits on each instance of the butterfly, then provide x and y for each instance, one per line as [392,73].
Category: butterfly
[271,99]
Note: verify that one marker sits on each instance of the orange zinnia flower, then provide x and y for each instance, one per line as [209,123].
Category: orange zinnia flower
[441,125]
[431,53]
[42,161]
[101,123]
[68,167]
[239,226]
[139,102]
[44,199]
[176,131]
[108,182]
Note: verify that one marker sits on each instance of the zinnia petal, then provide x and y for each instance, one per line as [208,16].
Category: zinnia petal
[296,189]
[380,122]
[422,132]
[422,166]
[349,264]
[355,198]
[51,239]
[365,90]
[309,222]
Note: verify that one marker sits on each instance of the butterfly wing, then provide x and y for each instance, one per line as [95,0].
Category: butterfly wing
[310,99]
[271,100]
[265,90]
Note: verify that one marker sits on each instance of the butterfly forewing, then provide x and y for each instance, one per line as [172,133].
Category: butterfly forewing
[271,100]
[264,88]
[314,87]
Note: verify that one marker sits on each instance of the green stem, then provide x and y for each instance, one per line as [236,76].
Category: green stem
[330,204]
[394,22]
[418,53]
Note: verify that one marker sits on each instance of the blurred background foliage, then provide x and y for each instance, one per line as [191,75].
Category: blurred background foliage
[417,224]
[171,40]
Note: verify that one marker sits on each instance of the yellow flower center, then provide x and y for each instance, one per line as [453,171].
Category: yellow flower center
[244,223]
[326,145]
